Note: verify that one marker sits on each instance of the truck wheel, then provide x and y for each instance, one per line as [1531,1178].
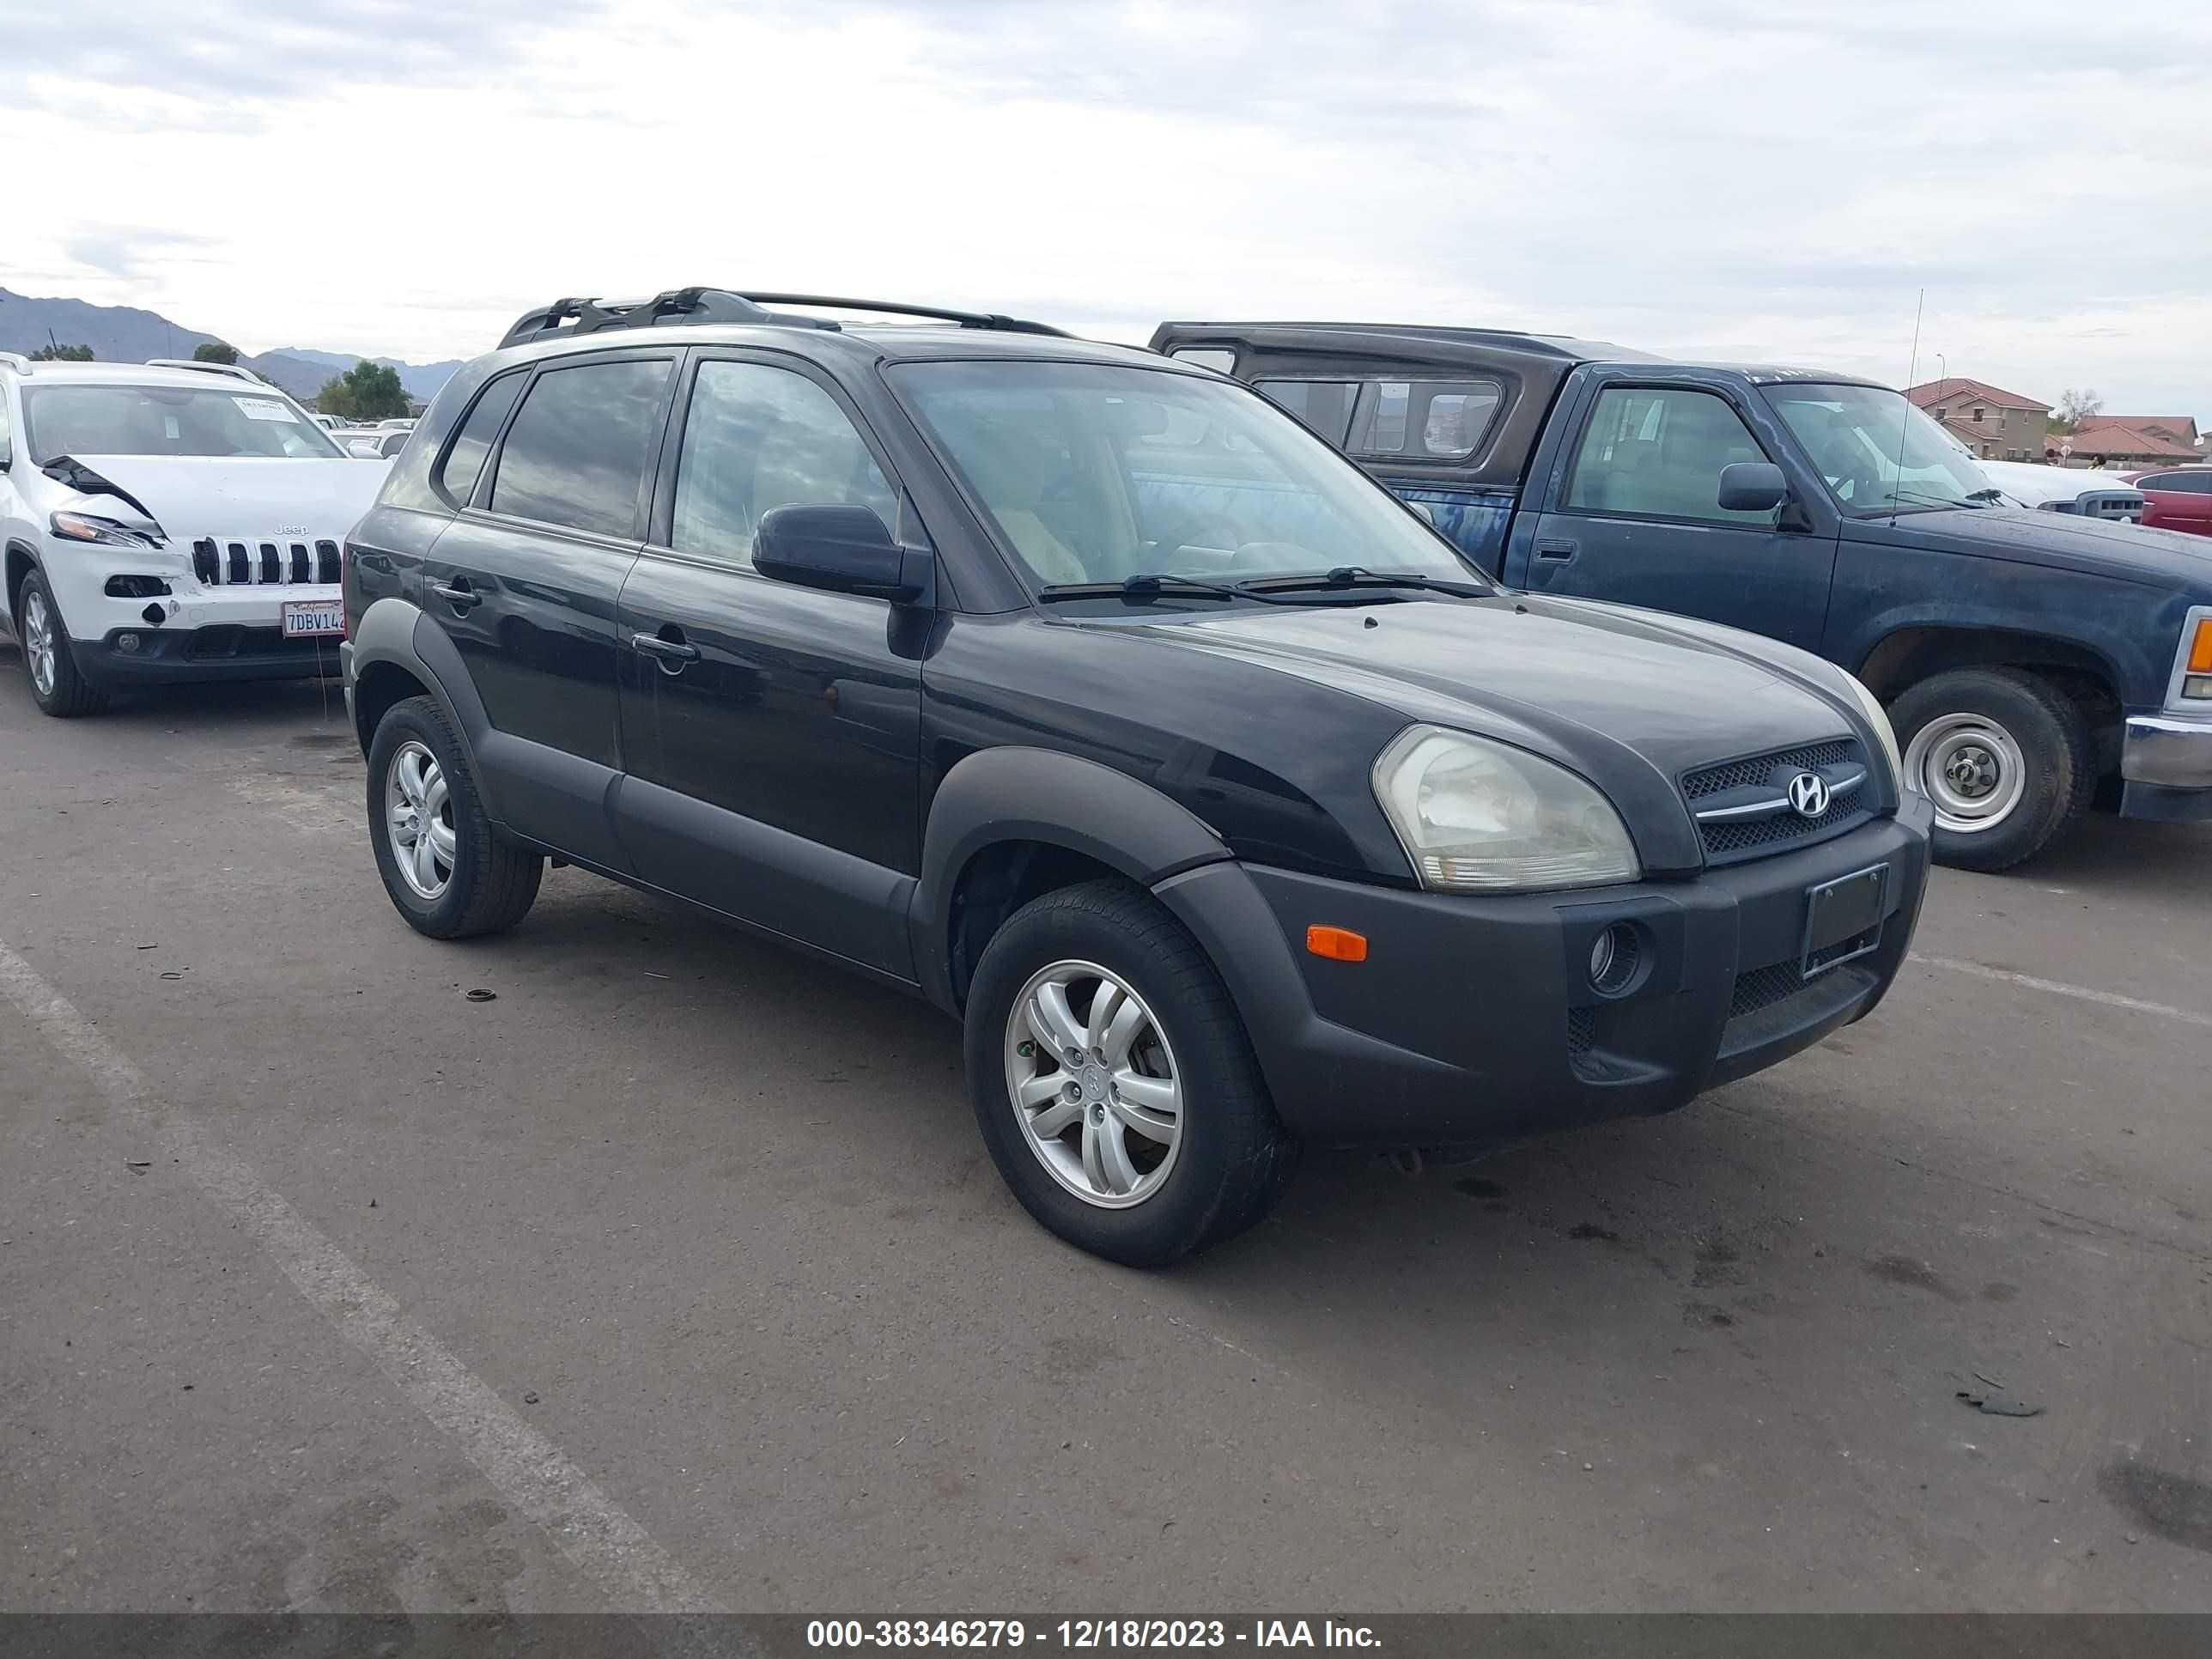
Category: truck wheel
[2005,755]
[56,685]
[1114,1081]
[447,870]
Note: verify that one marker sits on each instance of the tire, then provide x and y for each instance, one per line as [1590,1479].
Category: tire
[478,881]
[56,685]
[2006,756]
[1228,1159]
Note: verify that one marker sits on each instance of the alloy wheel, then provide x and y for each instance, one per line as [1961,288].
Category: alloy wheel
[418,809]
[1094,1083]
[38,644]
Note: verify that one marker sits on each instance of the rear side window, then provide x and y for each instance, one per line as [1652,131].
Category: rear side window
[1429,420]
[1324,405]
[464,460]
[577,452]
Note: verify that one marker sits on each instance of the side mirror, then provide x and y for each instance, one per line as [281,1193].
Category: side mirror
[1752,487]
[1425,511]
[843,549]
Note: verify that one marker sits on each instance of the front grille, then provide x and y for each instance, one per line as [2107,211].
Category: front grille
[2112,506]
[1730,839]
[225,563]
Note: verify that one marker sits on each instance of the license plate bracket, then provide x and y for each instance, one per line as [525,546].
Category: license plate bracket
[312,619]
[1843,918]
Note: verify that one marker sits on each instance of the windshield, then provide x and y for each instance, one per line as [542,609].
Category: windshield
[168,420]
[1094,472]
[1858,435]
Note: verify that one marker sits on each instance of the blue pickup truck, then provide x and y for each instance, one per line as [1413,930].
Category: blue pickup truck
[2031,660]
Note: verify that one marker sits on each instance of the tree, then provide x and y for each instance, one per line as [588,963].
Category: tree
[366,391]
[2076,407]
[62,354]
[214,351]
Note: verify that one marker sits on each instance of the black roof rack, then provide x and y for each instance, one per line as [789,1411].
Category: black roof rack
[696,306]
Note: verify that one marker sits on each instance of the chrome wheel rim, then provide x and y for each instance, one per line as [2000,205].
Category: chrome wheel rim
[1971,767]
[418,810]
[39,642]
[1094,1085]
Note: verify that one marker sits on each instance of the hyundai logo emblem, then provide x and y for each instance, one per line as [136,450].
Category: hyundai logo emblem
[1809,794]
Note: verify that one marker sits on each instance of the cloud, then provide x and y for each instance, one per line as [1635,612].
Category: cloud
[129,254]
[1782,182]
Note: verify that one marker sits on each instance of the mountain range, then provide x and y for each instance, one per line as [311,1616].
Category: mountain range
[124,334]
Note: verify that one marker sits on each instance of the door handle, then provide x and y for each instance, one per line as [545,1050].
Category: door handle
[673,653]
[1556,550]
[459,594]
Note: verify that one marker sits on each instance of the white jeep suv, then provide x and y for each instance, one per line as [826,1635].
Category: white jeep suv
[167,521]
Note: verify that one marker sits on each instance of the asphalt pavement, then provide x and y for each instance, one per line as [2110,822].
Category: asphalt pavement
[674,1274]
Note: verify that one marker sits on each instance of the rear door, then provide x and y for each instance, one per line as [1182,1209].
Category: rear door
[1633,516]
[525,581]
[772,732]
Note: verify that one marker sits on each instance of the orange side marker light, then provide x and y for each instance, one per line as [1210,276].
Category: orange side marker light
[1337,944]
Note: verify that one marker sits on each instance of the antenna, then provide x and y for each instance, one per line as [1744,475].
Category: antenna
[1905,421]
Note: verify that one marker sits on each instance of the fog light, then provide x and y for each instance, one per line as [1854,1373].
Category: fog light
[1614,957]
[128,643]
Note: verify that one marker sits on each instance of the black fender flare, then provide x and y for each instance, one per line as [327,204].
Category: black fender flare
[16,547]
[396,631]
[1017,793]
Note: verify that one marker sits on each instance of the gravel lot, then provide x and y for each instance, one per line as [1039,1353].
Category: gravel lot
[675,1275]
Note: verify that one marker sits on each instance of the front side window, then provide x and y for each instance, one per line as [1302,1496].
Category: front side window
[2188,483]
[205,422]
[465,461]
[577,451]
[1093,472]
[1658,454]
[1876,452]
[758,437]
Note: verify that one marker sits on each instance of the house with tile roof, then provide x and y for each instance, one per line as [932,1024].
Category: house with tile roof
[2179,430]
[2100,440]
[1996,424]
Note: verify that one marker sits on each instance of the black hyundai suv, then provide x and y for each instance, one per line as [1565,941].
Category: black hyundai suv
[1096,700]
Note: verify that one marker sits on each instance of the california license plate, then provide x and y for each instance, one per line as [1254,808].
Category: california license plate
[1843,918]
[307,619]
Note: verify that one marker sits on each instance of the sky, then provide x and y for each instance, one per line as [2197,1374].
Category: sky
[1770,180]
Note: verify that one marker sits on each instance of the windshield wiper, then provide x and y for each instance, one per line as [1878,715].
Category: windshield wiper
[1155,584]
[1353,575]
[1994,497]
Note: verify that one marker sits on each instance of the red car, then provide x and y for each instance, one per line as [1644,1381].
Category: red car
[2179,498]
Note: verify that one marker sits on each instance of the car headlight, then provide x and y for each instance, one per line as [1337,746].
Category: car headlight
[1479,817]
[104,532]
[1885,734]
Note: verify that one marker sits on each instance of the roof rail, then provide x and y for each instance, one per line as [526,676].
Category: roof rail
[18,362]
[236,371]
[696,305]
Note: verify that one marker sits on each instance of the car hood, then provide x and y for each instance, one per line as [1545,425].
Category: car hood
[1624,696]
[194,495]
[2155,558]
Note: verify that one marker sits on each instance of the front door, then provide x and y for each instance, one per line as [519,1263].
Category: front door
[772,732]
[524,583]
[1637,520]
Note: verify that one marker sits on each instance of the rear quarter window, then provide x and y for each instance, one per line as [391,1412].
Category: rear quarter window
[576,453]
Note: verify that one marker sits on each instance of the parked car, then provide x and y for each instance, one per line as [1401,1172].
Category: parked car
[2026,656]
[2079,490]
[2176,498]
[906,645]
[166,522]
[375,444]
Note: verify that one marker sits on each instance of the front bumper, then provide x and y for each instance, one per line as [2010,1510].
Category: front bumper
[1473,1021]
[2166,761]
[227,642]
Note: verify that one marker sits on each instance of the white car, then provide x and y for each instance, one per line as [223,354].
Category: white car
[168,522]
[2066,490]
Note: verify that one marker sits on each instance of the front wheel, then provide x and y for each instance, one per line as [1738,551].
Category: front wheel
[2005,757]
[1114,1082]
[56,685]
